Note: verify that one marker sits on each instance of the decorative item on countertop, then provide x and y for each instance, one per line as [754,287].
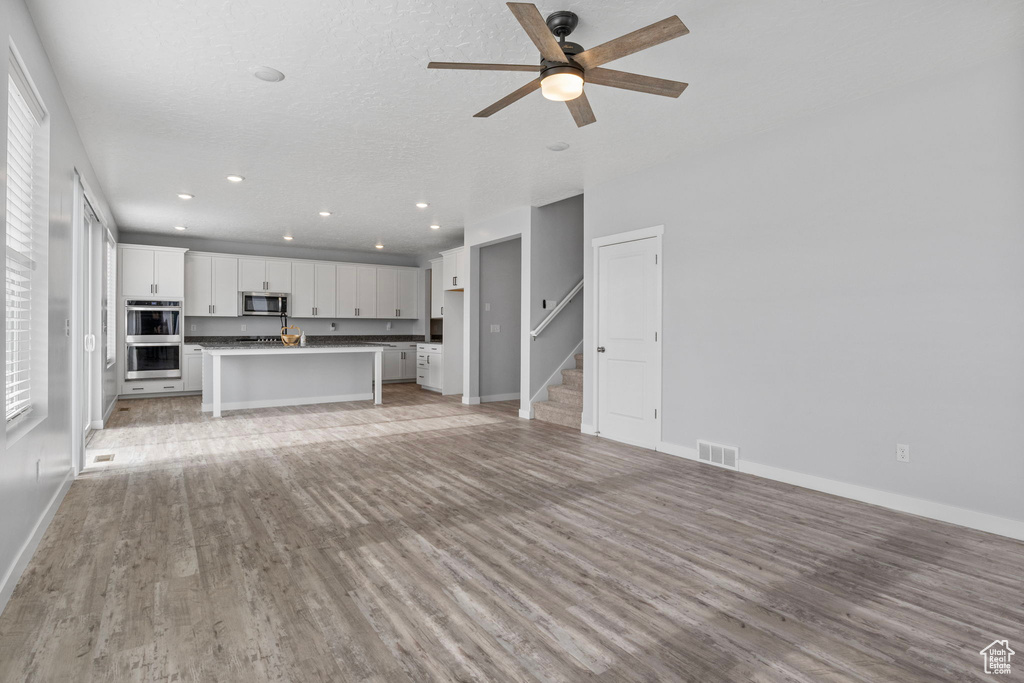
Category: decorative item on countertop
[293,338]
[302,339]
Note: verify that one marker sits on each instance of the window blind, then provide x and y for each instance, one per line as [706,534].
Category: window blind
[22,127]
[111,302]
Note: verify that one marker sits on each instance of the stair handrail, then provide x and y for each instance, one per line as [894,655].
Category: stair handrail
[556,310]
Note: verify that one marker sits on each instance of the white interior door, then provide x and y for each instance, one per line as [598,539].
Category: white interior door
[629,353]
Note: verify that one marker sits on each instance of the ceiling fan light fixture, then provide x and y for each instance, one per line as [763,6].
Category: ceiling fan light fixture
[562,83]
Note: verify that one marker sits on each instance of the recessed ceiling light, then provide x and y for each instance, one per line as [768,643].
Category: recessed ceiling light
[289,238]
[185,195]
[180,227]
[236,178]
[379,245]
[421,205]
[325,213]
[435,227]
[268,74]
[558,146]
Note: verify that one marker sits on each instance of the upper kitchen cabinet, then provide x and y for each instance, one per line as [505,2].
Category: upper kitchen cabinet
[396,293]
[211,285]
[314,290]
[456,268]
[357,291]
[436,288]
[152,271]
[264,275]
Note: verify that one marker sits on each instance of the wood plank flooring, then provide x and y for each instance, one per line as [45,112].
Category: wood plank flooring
[426,540]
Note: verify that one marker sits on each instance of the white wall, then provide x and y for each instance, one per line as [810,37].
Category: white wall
[25,501]
[847,282]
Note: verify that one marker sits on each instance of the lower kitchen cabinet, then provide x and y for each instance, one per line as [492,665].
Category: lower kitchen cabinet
[430,366]
[399,364]
[192,368]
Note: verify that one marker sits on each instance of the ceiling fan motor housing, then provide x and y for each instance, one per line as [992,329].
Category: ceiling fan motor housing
[562,23]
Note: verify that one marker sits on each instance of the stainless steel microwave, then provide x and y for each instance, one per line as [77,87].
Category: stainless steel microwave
[264,303]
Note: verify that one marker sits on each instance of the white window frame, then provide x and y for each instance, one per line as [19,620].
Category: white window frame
[31,248]
[110,303]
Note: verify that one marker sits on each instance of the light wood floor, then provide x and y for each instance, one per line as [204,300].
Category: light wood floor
[426,540]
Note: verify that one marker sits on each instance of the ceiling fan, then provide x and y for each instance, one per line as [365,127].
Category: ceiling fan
[565,66]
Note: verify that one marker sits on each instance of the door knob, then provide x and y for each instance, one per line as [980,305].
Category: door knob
[600,349]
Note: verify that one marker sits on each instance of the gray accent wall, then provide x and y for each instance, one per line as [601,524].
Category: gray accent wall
[556,252]
[847,282]
[27,498]
[499,304]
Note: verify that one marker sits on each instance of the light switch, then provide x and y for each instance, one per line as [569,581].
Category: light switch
[495,328]
[487,307]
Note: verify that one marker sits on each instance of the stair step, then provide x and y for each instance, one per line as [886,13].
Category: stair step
[579,361]
[572,378]
[558,414]
[566,395]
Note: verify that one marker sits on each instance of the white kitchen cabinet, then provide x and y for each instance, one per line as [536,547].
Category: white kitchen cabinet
[211,285]
[192,372]
[314,290]
[408,293]
[400,363]
[387,293]
[430,366]
[456,269]
[357,291]
[264,275]
[303,297]
[397,293]
[149,271]
[436,288]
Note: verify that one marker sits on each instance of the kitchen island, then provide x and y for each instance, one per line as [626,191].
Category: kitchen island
[244,375]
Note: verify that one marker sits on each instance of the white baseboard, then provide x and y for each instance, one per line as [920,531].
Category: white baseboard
[499,397]
[471,400]
[971,519]
[590,430]
[10,579]
[278,402]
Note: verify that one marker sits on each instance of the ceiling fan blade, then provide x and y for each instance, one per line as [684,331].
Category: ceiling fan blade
[509,99]
[581,112]
[641,39]
[483,67]
[535,26]
[637,82]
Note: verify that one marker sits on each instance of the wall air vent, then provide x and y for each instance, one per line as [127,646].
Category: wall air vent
[718,454]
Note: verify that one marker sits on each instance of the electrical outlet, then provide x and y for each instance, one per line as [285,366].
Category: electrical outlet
[902,452]
[243,328]
[193,328]
[487,307]
[389,326]
[495,329]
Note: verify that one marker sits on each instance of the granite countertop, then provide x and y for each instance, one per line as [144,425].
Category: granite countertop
[333,338]
[280,345]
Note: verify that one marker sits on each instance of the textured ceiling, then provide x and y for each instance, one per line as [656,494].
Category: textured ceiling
[165,102]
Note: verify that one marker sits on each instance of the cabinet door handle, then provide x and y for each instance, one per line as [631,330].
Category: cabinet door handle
[442,310]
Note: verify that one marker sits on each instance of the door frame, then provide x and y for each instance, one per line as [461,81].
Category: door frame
[83,265]
[656,233]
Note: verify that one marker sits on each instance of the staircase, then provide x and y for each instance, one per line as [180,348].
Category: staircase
[565,401]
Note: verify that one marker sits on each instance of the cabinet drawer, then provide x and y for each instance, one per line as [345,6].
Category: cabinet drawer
[152,387]
[430,348]
[193,350]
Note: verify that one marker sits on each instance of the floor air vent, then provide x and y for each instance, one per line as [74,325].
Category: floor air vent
[106,457]
[718,454]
